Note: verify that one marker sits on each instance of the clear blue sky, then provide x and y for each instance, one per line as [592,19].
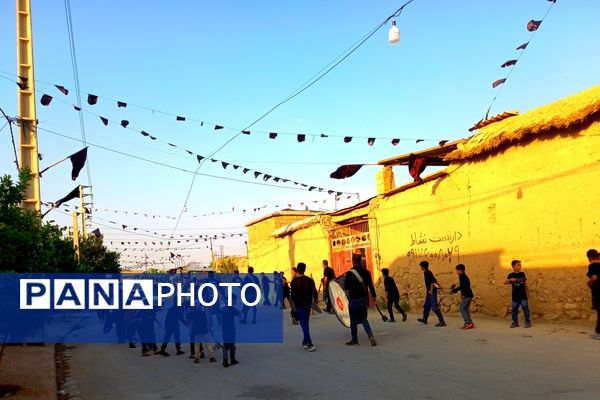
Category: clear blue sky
[228,62]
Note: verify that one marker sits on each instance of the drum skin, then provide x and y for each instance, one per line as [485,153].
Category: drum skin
[339,300]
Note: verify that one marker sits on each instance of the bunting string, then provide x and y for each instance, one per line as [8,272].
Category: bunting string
[532,26]
[214,213]
[217,127]
[149,233]
[301,187]
[225,164]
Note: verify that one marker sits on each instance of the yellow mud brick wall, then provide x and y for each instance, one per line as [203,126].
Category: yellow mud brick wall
[538,202]
[267,254]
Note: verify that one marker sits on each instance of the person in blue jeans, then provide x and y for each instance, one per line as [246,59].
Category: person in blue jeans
[358,284]
[518,282]
[431,302]
[303,294]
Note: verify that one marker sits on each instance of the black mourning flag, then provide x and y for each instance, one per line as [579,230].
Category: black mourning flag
[96,232]
[145,133]
[272,135]
[62,89]
[179,118]
[76,108]
[46,99]
[78,161]
[345,171]
[523,46]
[246,132]
[533,25]
[301,138]
[199,157]
[371,141]
[508,63]
[121,104]
[152,137]
[104,120]
[124,123]
[92,99]
[442,142]
[266,177]
[498,82]
[324,135]
[395,142]
[217,127]
[256,174]
[347,139]
[245,170]
[73,194]
[419,140]
[224,164]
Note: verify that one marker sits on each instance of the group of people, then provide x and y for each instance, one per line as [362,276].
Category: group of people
[359,288]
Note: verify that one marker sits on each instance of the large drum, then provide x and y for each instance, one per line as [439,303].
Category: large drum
[339,301]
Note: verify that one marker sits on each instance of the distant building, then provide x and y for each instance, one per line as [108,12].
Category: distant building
[195,266]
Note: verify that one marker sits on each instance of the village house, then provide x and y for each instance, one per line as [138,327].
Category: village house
[524,186]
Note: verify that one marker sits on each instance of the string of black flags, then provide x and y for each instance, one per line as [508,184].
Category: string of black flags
[172,238]
[93,99]
[233,209]
[225,164]
[532,26]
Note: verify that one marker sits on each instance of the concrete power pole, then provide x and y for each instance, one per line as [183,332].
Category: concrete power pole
[28,140]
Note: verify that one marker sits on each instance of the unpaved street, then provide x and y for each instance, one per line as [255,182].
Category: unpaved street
[412,361]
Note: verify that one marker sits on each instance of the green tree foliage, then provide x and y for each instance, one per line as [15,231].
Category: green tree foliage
[29,245]
[228,264]
[95,257]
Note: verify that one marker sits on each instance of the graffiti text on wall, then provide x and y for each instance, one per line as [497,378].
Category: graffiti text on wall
[423,246]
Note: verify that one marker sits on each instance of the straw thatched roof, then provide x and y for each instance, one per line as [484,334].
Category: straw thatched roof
[560,115]
[296,226]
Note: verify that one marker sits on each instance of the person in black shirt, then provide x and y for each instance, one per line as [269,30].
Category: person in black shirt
[328,276]
[174,316]
[393,295]
[466,295]
[358,284]
[199,331]
[431,301]
[519,294]
[250,295]
[303,294]
[594,283]
[228,314]
[266,288]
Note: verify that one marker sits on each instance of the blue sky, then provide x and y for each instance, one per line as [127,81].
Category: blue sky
[228,62]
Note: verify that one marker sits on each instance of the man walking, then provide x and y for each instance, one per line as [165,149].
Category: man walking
[250,296]
[303,294]
[358,284]
[431,301]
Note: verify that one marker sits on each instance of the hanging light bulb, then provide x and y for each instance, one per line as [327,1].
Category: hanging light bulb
[394,33]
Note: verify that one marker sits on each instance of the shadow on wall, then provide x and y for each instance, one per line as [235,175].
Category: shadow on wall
[555,294]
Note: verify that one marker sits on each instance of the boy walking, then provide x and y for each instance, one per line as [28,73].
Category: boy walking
[304,293]
[431,301]
[200,334]
[518,280]
[466,295]
[228,314]
[594,283]
[393,295]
